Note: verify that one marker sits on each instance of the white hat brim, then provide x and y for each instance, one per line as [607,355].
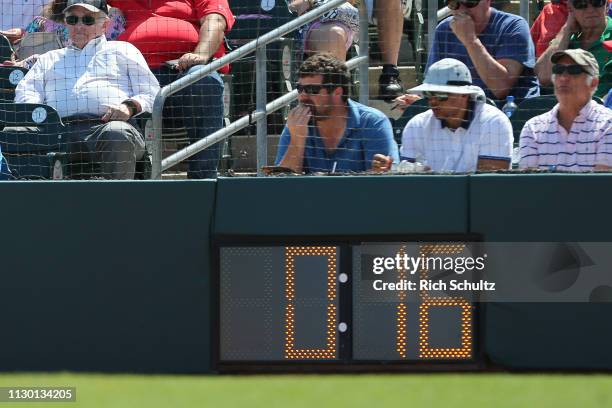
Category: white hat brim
[454,89]
[89,7]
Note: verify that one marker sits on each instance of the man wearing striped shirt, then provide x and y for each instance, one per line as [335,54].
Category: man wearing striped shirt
[576,135]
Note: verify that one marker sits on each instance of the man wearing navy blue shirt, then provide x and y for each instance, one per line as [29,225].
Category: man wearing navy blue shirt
[327,132]
[496,47]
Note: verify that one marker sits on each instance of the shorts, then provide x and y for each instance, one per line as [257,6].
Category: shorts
[346,16]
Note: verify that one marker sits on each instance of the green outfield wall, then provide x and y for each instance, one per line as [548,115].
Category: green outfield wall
[118,276]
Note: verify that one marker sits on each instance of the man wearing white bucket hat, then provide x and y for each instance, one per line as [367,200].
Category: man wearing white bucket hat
[460,133]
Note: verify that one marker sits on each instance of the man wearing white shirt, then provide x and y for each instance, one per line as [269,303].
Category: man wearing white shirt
[460,133]
[97,87]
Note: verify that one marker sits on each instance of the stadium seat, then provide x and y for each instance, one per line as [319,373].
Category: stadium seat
[6,49]
[9,78]
[529,108]
[27,156]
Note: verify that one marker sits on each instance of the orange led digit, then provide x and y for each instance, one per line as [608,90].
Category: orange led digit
[429,302]
[401,310]
[329,351]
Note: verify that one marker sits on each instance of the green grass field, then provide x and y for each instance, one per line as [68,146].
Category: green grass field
[405,390]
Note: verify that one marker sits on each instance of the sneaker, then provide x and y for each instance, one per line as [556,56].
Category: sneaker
[389,83]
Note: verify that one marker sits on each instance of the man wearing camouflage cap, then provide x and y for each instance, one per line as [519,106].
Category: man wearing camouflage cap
[575,135]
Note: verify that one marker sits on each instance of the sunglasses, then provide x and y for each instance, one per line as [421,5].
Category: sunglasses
[441,96]
[310,89]
[573,69]
[455,4]
[582,4]
[86,20]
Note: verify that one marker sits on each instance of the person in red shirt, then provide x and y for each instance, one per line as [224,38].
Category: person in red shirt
[548,24]
[190,33]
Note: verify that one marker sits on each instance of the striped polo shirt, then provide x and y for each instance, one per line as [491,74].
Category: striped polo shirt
[545,144]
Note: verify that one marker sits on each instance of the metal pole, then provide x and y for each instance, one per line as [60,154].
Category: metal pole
[260,105]
[154,138]
[524,10]
[432,21]
[364,51]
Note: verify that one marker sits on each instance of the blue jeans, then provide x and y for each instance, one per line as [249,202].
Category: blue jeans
[199,108]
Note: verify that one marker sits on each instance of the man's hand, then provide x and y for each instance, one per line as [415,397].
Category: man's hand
[571,25]
[403,101]
[13,34]
[297,122]
[381,163]
[189,60]
[116,112]
[463,27]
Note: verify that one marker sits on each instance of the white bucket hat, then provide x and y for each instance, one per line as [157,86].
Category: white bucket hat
[448,75]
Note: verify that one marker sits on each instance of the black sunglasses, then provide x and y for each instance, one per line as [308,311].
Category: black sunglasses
[582,4]
[455,4]
[573,69]
[86,20]
[441,96]
[311,89]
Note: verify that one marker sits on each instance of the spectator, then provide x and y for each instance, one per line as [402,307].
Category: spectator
[576,135]
[496,47]
[587,26]
[389,24]
[327,131]
[460,133]
[52,21]
[548,24]
[16,14]
[191,32]
[333,32]
[96,86]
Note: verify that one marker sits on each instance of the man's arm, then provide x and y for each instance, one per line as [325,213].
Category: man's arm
[543,67]
[31,89]
[212,30]
[499,75]
[297,132]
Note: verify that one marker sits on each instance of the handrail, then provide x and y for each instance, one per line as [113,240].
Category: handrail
[240,124]
[155,138]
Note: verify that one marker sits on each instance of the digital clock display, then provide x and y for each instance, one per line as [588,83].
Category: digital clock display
[309,304]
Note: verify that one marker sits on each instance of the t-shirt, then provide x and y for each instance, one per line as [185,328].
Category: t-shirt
[548,24]
[19,13]
[545,144]
[602,55]
[368,132]
[506,36]
[165,30]
[487,135]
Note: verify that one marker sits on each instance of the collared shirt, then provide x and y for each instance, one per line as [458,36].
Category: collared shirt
[545,144]
[368,132]
[18,14]
[488,136]
[602,55]
[84,81]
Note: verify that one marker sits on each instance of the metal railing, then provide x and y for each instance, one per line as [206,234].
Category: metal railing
[154,139]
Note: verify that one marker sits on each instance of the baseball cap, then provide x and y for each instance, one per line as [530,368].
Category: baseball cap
[448,75]
[581,57]
[91,5]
